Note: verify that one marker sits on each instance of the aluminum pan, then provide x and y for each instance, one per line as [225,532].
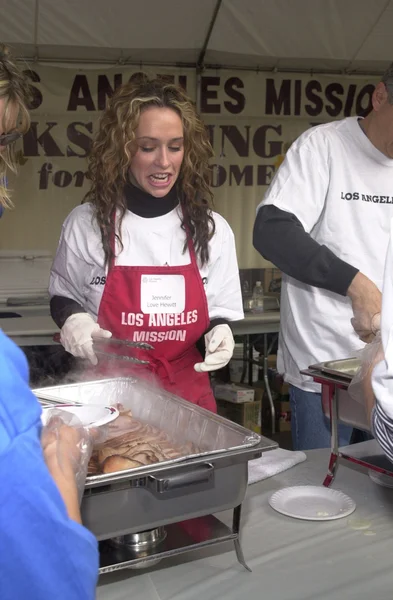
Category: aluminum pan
[181,420]
[221,459]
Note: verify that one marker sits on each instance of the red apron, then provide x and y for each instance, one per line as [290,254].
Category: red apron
[173,336]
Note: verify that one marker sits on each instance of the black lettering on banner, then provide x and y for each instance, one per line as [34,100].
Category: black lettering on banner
[105,90]
[336,103]
[315,108]
[264,148]
[233,135]
[79,178]
[264,142]
[278,104]
[298,97]
[238,174]
[36,99]
[265,174]
[31,141]
[248,176]
[80,94]
[80,139]
[221,176]
[46,168]
[231,88]
[286,97]
[62,179]
[210,133]
[349,101]
[364,100]
[209,94]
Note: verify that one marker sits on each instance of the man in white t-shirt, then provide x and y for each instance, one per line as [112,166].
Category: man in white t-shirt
[380,389]
[325,223]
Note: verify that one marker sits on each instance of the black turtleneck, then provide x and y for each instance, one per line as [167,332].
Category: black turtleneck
[147,206]
[144,205]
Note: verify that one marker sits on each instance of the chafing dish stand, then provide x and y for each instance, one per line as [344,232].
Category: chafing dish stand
[177,539]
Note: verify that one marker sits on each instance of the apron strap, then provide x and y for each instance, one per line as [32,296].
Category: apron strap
[166,365]
[190,245]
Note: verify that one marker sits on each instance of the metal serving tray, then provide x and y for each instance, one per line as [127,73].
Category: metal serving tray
[340,373]
[345,368]
[171,491]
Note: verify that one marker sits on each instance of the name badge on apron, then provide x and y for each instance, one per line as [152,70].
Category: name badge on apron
[162,294]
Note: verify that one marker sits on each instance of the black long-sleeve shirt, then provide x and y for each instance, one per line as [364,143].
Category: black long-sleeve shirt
[280,238]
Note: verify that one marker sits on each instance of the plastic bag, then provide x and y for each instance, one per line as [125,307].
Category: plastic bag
[71,443]
[360,387]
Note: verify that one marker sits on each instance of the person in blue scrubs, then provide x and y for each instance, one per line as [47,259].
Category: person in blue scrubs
[45,552]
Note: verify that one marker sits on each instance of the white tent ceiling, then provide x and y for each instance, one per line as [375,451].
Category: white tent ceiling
[300,35]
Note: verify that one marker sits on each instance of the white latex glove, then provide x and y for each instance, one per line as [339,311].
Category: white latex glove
[219,349]
[77,336]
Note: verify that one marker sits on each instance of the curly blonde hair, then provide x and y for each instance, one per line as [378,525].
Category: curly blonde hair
[16,92]
[115,145]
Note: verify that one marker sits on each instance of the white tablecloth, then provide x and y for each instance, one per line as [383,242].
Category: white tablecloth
[290,559]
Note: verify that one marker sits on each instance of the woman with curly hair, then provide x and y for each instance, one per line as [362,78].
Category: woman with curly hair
[145,259]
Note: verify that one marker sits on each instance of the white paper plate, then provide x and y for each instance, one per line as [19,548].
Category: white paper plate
[312,503]
[89,415]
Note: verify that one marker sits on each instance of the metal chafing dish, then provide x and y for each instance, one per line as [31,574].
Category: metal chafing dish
[178,496]
[335,377]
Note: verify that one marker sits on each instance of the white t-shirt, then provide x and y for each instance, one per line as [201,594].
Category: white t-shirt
[78,270]
[382,377]
[340,187]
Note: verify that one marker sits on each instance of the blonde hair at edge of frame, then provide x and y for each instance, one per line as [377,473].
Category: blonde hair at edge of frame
[115,145]
[16,92]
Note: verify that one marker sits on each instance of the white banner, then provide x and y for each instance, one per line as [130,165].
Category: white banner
[252,120]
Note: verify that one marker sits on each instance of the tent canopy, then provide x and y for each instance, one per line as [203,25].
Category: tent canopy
[352,36]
